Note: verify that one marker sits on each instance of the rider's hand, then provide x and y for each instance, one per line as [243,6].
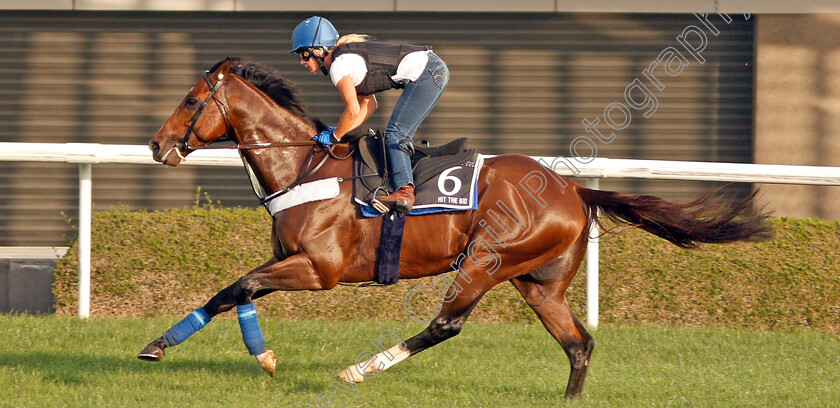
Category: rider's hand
[326,137]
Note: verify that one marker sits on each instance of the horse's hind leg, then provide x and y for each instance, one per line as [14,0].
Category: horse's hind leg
[471,283]
[544,290]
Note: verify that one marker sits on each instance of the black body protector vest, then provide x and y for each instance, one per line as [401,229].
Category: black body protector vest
[382,60]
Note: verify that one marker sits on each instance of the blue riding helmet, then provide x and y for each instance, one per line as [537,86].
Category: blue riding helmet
[315,31]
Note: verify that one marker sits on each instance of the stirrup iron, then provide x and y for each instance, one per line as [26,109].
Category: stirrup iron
[379,205]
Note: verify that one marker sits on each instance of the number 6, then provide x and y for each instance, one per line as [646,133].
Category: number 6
[445,176]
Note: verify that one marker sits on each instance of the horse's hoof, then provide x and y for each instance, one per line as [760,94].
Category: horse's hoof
[151,353]
[350,375]
[268,361]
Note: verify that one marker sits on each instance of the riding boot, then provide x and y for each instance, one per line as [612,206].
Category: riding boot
[402,179]
[402,199]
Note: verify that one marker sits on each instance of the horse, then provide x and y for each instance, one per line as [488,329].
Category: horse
[530,228]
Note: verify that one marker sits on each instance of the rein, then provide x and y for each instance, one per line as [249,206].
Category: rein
[185,148]
[299,181]
[251,146]
[305,170]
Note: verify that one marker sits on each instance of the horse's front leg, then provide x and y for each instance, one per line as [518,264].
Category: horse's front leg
[293,273]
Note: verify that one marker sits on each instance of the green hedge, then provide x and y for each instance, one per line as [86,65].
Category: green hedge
[170,262]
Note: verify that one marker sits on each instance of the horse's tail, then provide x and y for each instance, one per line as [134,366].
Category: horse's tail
[708,219]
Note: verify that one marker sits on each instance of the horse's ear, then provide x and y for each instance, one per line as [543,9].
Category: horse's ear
[224,67]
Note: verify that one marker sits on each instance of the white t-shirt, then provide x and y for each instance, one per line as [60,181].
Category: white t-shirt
[353,65]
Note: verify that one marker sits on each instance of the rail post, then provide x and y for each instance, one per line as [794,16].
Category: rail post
[85,199]
[592,267]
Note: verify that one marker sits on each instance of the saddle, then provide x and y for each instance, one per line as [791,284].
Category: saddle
[445,179]
[371,172]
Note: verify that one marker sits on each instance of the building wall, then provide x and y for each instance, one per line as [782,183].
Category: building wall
[797,118]
[606,6]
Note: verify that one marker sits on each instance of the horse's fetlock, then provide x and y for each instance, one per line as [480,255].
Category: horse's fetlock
[158,342]
[444,328]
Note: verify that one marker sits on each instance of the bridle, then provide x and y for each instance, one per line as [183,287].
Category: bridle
[183,148]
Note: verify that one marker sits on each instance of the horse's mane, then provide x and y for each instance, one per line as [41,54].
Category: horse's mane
[271,82]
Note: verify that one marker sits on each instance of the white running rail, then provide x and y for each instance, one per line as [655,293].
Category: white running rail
[87,154]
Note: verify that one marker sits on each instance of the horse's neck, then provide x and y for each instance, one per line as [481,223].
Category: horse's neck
[258,120]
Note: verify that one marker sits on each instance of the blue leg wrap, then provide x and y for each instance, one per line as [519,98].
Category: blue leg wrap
[250,326]
[186,328]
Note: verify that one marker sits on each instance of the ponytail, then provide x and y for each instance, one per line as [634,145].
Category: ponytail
[352,38]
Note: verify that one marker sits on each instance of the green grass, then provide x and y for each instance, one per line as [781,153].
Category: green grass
[59,361]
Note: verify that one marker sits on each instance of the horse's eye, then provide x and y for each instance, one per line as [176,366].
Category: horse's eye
[190,102]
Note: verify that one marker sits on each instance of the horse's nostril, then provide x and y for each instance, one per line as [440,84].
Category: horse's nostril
[154,146]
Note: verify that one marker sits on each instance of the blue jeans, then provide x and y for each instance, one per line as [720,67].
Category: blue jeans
[417,100]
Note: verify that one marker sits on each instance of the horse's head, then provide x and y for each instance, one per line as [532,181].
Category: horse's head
[200,119]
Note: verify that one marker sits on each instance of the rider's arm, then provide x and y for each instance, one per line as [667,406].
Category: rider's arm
[368,105]
[357,109]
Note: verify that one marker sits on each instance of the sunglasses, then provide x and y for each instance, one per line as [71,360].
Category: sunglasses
[305,55]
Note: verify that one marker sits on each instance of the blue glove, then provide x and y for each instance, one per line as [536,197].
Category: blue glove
[326,137]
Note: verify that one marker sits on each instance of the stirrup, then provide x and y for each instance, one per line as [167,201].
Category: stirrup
[379,205]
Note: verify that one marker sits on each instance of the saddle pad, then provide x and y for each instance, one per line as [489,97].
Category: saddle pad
[454,189]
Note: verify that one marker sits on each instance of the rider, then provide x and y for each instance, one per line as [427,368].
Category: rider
[359,68]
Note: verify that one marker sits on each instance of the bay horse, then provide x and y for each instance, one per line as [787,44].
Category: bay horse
[531,227]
